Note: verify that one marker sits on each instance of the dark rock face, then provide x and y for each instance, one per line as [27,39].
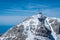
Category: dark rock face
[0,34]
[43,31]
[55,25]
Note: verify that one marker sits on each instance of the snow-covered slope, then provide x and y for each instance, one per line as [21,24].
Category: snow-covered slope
[36,27]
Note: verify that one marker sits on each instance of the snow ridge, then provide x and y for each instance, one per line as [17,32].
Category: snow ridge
[36,27]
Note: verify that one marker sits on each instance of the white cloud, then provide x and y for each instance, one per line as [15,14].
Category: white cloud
[37,6]
[11,20]
[30,9]
[19,10]
[54,12]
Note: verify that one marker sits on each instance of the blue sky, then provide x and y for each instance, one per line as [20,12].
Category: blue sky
[14,11]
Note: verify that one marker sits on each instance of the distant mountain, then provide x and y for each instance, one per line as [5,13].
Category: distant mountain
[36,27]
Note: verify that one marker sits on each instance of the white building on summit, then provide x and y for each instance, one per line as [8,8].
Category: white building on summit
[36,27]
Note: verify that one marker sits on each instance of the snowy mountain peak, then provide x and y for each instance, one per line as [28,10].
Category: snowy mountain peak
[36,27]
[39,15]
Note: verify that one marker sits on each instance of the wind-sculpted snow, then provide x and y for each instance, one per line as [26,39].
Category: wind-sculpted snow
[37,27]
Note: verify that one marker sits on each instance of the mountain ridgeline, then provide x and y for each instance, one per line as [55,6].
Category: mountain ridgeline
[36,27]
